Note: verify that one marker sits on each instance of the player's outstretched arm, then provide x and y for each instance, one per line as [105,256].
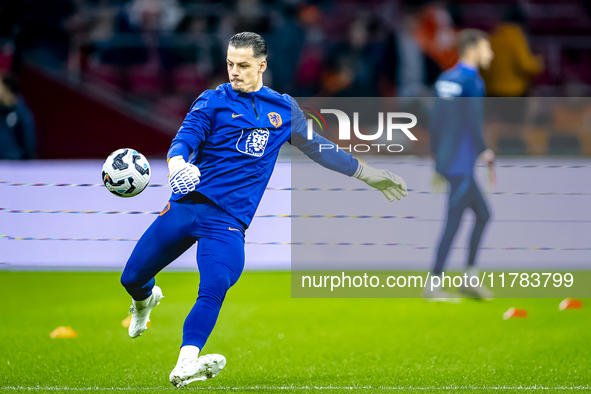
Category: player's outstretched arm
[392,185]
[183,177]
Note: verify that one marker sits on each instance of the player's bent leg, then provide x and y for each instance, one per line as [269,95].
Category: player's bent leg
[482,213]
[137,284]
[220,257]
[199,325]
[457,204]
[148,258]
[163,242]
[220,262]
[473,289]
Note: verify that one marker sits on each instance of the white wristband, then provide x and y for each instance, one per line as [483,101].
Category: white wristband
[175,162]
[359,170]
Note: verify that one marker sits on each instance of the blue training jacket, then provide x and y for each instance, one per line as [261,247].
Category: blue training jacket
[236,137]
[456,121]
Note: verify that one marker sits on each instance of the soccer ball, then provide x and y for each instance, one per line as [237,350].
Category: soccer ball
[126,172]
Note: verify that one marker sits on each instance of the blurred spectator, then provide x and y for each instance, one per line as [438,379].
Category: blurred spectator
[514,65]
[436,35]
[101,18]
[406,65]
[252,16]
[191,56]
[6,56]
[337,79]
[143,29]
[43,34]
[361,55]
[126,46]
[155,15]
[17,131]
[191,45]
[173,49]
[309,70]
[287,33]
[572,114]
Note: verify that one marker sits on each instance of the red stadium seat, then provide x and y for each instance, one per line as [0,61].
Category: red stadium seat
[105,74]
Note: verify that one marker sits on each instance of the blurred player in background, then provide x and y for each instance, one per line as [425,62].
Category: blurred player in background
[234,134]
[456,143]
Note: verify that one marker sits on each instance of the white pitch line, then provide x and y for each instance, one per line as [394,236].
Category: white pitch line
[65,388]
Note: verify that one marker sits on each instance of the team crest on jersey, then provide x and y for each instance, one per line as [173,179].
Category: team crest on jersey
[253,142]
[275,119]
[166,209]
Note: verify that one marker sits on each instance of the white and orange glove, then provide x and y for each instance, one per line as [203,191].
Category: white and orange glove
[183,177]
[392,185]
[438,183]
[488,157]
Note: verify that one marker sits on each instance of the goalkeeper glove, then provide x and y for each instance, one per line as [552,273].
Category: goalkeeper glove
[438,183]
[392,185]
[183,177]
[488,156]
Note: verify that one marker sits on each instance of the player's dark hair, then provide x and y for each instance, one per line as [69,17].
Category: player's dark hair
[468,38]
[250,40]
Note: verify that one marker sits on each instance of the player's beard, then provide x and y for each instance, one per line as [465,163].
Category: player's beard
[243,88]
[238,89]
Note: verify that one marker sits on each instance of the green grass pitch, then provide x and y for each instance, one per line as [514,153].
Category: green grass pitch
[278,344]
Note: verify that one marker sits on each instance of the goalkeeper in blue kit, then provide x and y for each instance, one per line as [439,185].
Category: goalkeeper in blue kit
[457,143]
[234,134]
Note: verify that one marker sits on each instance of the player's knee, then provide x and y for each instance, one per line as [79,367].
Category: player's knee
[130,281]
[483,216]
[215,288]
[220,283]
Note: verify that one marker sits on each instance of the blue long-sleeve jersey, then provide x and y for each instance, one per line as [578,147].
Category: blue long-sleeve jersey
[235,139]
[456,122]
